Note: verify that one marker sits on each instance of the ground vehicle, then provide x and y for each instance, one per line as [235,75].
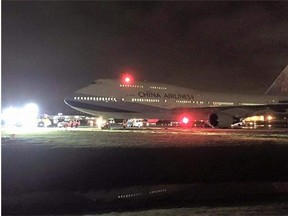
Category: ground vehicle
[201,124]
[43,122]
[136,123]
[73,123]
[111,124]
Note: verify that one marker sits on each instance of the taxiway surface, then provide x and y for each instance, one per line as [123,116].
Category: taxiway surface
[100,167]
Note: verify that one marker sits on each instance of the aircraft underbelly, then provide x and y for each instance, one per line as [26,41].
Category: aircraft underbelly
[119,110]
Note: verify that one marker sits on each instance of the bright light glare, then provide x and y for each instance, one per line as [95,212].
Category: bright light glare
[185,120]
[11,116]
[21,116]
[269,117]
[255,118]
[127,79]
[100,122]
[29,115]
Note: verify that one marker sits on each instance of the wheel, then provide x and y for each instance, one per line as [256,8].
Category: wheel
[41,124]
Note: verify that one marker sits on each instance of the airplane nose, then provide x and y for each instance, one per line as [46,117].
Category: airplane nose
[68,99]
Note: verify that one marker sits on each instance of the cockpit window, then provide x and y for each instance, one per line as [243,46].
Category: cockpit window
[97,82]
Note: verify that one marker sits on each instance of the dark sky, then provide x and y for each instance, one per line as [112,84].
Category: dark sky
[50,49]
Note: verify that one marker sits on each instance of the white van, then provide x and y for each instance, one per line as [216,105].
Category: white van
[136,123]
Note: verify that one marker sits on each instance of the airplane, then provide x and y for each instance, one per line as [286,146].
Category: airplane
[126,98]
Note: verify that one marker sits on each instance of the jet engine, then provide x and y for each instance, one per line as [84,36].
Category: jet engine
[221,120]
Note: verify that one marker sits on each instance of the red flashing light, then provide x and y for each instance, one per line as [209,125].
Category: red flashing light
[185,120]
[127,79]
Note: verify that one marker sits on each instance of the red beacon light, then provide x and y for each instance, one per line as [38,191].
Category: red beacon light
[127,79]
[185,120]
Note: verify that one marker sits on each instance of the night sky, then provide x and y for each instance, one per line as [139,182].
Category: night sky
[50,49]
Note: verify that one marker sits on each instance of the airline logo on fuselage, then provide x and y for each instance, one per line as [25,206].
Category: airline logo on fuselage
[165,96]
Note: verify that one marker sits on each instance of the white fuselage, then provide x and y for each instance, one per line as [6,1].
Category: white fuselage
[111,98]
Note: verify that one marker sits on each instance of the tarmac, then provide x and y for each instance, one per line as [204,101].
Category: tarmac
[86,170]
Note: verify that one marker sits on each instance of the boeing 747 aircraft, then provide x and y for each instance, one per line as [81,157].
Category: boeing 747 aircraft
[126,99]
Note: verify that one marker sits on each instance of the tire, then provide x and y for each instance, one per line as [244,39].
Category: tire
[41,124]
